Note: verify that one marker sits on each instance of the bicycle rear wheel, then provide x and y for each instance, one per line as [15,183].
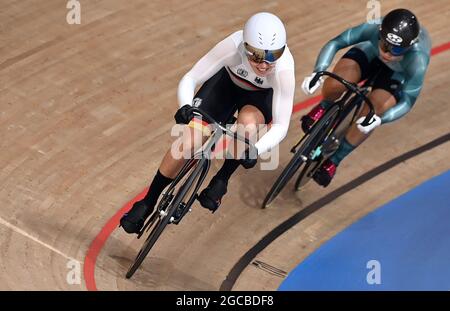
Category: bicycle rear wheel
[167,212]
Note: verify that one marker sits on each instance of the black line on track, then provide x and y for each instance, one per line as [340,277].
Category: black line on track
[251,254]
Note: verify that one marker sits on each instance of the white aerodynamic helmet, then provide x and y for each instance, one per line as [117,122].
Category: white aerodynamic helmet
[264,37]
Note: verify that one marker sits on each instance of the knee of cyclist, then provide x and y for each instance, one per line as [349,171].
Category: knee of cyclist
[246,119]
[362,113]
[331,89]
[248,124]
[382,107]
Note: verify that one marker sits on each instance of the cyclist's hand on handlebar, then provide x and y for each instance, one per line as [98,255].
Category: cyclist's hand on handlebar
[184,115]
[306,84]
[250,158]
[374,122]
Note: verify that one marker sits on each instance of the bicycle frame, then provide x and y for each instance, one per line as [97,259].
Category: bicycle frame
[202,158]
[354,88]
[323,139]
[171,207]
[351,100]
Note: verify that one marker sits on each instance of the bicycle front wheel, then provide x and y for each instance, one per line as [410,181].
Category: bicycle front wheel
[167,214]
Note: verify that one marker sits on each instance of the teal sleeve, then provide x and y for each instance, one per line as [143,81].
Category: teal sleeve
[361,33]
[416,67]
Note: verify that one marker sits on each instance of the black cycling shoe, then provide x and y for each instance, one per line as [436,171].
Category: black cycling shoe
[210,198]
[133,221]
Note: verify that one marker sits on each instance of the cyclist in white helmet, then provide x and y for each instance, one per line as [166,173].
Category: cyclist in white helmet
[251,71]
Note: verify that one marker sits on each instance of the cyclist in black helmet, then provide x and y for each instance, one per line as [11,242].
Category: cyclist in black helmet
[399,49]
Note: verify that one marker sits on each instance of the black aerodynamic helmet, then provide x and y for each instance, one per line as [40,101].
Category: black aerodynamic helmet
[399,31]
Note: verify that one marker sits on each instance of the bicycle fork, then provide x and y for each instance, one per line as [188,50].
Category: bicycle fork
[184,208]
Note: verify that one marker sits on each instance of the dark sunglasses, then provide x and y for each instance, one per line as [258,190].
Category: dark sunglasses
[261,56]
[394,50]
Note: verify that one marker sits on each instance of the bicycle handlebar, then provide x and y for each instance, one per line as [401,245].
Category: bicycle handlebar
[228,132]
[351,87]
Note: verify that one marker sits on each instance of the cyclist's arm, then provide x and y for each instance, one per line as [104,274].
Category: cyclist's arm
[282,102]
[415,75]
[223,54]
[351,36]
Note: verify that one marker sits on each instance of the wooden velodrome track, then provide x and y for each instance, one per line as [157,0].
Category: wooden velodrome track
[85,115]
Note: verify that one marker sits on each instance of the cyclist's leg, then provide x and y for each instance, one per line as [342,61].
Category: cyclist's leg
[353,67]
[192,137]
[385,94]
[347,68]
[382,101]
[213,99]
[249,120]
[254,110]
[173,161]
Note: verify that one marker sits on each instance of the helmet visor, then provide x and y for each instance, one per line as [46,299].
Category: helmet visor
[260,56]
[394,50]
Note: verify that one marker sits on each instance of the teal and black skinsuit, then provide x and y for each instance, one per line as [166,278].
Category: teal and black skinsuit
[409,71]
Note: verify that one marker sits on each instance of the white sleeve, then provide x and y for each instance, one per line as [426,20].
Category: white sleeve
[283,100]
[225,53]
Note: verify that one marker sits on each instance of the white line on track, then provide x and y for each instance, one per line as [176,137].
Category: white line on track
[27,235]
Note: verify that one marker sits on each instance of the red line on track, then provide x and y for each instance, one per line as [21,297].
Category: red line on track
[99,242]
[441,48]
